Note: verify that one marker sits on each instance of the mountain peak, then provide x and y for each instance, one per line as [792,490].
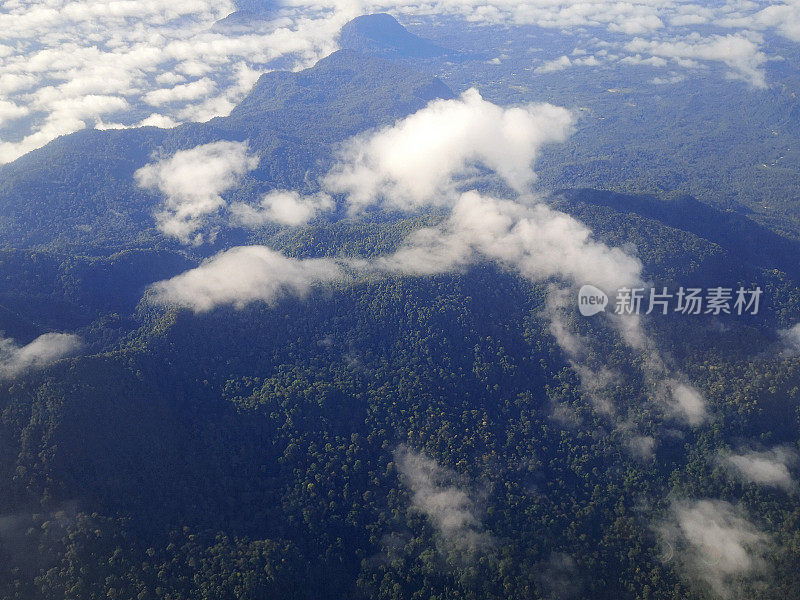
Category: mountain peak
[371,90]
[240,22]
[250,16]
[382,35]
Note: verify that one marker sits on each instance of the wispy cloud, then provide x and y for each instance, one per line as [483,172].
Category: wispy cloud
[533,239]
[243,275]
[436,493]
[714,544]
[791,339]
[768,467]
[685,401]
[283,207]
[561,577]
[44,350]
[423,160]
[740,53]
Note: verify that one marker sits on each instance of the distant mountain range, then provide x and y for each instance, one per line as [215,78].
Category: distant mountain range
[241,22]
[78,193]
[258,6]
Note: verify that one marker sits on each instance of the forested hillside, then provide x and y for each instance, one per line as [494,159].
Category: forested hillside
[238,453]
[385,400]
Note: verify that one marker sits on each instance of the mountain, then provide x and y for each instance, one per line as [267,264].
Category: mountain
[72,214]
[241,22]
[252,453]
[388,437]
[250,17]
[79,189]
[342,95]
[751,244]
[382,35]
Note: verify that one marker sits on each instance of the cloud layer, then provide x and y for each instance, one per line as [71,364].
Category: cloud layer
[70,64]
[84,63]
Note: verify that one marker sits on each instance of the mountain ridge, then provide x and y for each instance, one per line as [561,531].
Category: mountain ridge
[77,184]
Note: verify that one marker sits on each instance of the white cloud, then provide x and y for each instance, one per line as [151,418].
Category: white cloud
[192,182]
[131,50]
[10,111]
[435,493]
[642,446]
[638,24]
[543,244]
[14,82]
[686,402]
[181,93]
[558,64]
[169,78]
[741,54]
[768,468]
[533,239]
[141,51]
[156,120]
[672,79]
[691,15]
[565,62]
[627,17]
[587,61]
[65,116]
[419,160]
[284,207]
[784,17]
[44,350]
[650,61]
[715,544]
[791,338]
[243,275]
